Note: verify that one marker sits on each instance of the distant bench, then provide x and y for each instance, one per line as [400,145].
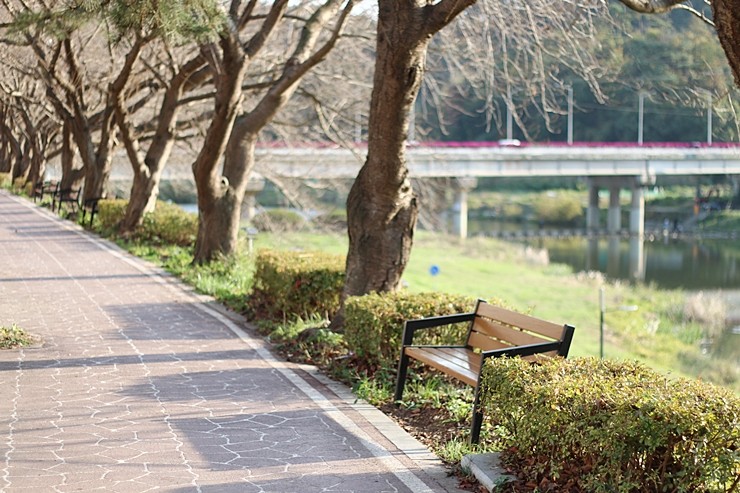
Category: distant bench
[493,332]
[90,206]
[43,188]
[69,198]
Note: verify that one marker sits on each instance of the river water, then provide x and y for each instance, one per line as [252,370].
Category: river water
[666,261]
[693,263]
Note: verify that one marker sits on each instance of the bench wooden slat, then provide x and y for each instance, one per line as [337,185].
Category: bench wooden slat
[448,356]
[459,363]
[485,343]
[516,337]
[532,324]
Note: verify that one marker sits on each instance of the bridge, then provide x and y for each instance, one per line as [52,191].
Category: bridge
[610,166]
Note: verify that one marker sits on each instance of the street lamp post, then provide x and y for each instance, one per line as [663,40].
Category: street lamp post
[602,312]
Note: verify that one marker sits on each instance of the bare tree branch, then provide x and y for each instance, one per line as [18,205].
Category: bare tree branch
[651,6]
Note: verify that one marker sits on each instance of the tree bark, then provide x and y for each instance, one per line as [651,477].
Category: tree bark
[71,177]
[15,151]
[726,14]
[214,190]
[382,208]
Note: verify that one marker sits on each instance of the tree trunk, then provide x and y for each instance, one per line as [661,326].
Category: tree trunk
[38,157]
[382,207]
[71,177]
[143,199]
[96,178]
[726,14]
[218,230]
[15,154]
[24,165]
[218,227]
[216,199]
[148,172]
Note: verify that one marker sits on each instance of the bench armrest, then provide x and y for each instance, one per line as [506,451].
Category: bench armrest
[411,326]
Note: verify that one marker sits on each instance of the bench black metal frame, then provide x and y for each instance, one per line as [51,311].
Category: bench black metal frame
[493,332]
[90,206]
[42,188]
[68,196]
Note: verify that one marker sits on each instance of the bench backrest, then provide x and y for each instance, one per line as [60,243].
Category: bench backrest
[497,328]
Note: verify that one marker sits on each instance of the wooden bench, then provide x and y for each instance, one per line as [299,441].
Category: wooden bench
[493,332]
[68,196]
[43,188]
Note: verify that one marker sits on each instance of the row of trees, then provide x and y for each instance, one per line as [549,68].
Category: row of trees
[85,77]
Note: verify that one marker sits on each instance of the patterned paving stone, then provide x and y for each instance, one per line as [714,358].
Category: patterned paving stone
[140,385]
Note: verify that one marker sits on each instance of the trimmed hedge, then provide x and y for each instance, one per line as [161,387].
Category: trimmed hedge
[292,285]
[168,224]
[110,213]
[605,426]
[373,324]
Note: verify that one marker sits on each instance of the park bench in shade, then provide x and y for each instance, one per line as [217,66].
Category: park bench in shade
[493,332]
[90,206]
[67,197]
[43,188]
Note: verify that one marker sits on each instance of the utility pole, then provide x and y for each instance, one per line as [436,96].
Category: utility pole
[509,119]
[570,115]
[640,111]
[709,118]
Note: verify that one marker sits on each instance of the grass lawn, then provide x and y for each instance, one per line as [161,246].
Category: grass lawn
[658,333]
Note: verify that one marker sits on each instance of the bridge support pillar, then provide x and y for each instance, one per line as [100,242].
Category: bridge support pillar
[614,215]
[460,208]
[735,180]
[592,212]
[637,212]
[614,184]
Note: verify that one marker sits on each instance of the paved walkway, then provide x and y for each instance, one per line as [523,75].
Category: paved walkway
[142,385]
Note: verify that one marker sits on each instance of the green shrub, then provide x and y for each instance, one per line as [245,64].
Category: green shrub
[291,285]
[512,210]
[558,208]
[168,224]
[21,187]
[609,426]
[5,180]
[278,221]
[110,213]
[373,324]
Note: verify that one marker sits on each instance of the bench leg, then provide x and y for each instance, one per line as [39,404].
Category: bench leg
[475,426]
[403,366]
